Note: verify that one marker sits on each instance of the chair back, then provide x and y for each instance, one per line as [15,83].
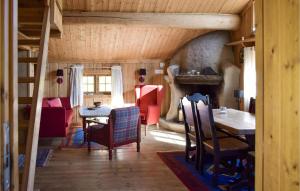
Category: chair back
[189,114]
[148,95]
[187,111]
[252,105]
[125,122]
[206,123]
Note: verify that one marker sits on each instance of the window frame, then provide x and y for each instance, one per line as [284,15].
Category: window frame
[87,92]
[96,85]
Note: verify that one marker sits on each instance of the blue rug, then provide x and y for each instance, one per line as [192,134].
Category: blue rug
[74,139]
[190,177]
[42,158]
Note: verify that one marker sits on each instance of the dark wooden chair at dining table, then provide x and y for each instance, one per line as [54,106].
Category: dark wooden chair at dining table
[222,149]
[123,127]
[252,105]
[192,133]
[189,123]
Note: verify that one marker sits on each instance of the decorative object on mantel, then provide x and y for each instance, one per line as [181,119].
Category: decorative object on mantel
[59,75]
[208,71]
[142,73]
[238,94]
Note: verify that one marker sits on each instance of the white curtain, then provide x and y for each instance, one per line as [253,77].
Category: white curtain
[249,76]
[76,89]
[117,86]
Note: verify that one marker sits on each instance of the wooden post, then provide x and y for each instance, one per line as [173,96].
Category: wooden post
[4,75]
[13,93]
[278,98]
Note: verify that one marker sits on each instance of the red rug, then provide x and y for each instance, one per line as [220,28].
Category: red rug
[180,169]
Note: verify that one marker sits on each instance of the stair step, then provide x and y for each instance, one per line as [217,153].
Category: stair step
[25,100]
[26,80]
[28,60]
[29,42]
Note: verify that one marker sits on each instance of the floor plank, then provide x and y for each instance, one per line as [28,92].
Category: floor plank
[76,169]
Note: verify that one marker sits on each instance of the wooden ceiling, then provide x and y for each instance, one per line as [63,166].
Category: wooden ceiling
[95,42]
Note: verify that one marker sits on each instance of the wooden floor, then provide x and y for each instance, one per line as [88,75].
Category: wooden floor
[76,169]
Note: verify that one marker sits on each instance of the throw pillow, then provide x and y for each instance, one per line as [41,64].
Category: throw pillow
[55,102]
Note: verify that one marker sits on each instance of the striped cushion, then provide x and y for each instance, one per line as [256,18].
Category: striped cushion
[125,121]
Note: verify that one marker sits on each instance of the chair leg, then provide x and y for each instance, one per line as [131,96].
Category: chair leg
[201,161]
[187,154]
[157,125]
[198,158]
[146,129]
[216,171]
[110,154]
[138,147]
[89,145]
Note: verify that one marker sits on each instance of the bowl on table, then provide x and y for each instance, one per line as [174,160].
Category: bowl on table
[97,103]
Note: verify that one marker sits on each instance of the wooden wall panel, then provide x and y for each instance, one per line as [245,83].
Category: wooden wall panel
[130,79]
[162,6]
[278,101]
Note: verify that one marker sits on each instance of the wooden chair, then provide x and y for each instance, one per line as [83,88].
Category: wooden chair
[190,136]
[191,127]
[123,127]
[252,105]
[226,148]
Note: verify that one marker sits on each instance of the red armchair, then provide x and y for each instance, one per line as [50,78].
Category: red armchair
[149,99]
[56,121]
[123,127]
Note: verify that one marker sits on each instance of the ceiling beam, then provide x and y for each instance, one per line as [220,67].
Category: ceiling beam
[180,20]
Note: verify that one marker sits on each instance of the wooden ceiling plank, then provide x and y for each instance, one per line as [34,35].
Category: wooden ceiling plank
[189,21]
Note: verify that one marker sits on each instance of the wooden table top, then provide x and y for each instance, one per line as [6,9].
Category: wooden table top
[235,121]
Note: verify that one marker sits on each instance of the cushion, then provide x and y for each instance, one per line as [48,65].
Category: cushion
[69,116]
[45,103]
[54,102]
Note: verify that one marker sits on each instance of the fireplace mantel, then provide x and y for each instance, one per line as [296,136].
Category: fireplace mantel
[199,79]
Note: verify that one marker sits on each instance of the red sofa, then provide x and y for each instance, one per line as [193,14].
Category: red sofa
[55,121]
[149,99]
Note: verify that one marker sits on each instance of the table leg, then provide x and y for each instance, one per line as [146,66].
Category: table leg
[251,141]
[84,129]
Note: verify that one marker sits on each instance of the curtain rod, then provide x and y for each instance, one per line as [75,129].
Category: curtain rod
[90,67]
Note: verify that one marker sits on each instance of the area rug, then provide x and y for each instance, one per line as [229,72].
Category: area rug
[189,176]
[42,158]
[74,140]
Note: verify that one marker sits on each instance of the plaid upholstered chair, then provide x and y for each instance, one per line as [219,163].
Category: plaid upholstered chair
[123,127]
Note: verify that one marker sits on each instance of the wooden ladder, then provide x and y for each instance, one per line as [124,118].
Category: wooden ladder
[35,101]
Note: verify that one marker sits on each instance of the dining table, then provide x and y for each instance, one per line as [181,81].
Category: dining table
[92,112]
[236,122]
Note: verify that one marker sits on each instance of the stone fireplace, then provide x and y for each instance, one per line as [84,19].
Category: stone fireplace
[187,75]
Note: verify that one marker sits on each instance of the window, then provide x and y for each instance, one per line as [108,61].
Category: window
[104,83]
[249,76]
[94,84]
[88,84]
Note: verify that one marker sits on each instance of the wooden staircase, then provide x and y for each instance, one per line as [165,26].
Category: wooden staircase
[33,16]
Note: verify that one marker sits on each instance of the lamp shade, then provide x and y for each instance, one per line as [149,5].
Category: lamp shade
[60,72]
[142,72]
[238,93]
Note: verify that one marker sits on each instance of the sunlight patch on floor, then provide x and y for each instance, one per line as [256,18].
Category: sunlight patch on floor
[168,137]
